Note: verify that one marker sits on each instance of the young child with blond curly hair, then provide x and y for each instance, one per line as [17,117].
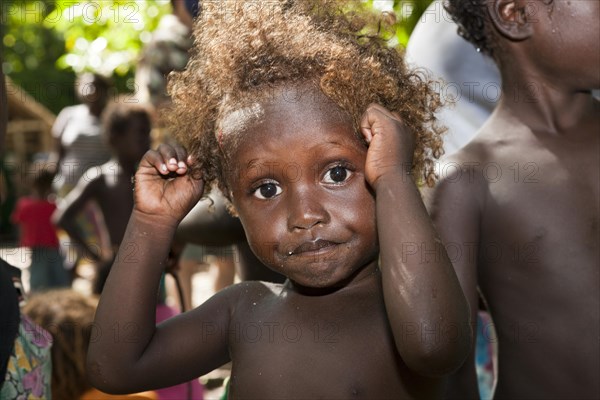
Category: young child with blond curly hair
[318,135]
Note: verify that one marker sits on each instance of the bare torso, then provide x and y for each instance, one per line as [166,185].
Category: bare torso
[113,191]
[281,347]
[538,259]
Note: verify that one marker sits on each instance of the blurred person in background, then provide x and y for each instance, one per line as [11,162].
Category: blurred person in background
[127,131]
[33,215]
[78,132]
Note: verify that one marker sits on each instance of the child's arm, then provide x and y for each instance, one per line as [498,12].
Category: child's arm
[426,307]
[58,128]
[454,207]
[65,217]
[129,353]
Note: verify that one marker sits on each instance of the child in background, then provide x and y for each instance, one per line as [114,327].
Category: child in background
[471,84]
[127,131]
[277,106]
[519,207]
[33,215]
[67,319]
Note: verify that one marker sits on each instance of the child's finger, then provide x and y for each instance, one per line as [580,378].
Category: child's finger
[181,152]
[368,123]
[381,109]
[373,119]
[181,158]
[156,160]
[169,156]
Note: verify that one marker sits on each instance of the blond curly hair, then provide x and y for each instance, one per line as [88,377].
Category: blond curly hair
[243,49]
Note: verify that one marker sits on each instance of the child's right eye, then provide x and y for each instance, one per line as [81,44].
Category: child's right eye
[267,190]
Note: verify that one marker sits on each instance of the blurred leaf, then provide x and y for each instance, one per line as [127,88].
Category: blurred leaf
[46,42]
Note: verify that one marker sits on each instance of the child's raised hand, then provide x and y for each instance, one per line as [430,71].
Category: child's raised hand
[164,187]
[391,144]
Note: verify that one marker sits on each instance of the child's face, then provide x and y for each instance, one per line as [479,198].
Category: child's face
[568,45]
[300,191]
[134,143]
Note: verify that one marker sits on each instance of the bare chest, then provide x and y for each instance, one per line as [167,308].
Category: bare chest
[538,254]
[542,207]
[115,199]
[295,349]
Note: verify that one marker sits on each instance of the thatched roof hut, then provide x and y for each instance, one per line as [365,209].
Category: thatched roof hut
[29,125]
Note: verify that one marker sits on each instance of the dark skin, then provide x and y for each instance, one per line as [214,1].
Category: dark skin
[337,328]
[206,225]
[110,187]
[530,238]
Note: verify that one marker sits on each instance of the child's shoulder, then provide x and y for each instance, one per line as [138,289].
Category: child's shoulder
[97,175]
[106,176]
[500,137]
[249,291]
[253,290]
[27,203]
[109,168]
[461,176]
[246,299]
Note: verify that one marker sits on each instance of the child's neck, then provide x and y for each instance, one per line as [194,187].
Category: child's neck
[546,107]
[367,275]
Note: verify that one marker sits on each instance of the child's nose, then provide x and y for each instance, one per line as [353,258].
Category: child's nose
[306,210]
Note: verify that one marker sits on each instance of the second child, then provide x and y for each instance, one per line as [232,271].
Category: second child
[127,130]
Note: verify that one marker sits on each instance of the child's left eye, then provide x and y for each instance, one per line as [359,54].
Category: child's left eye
[336,174]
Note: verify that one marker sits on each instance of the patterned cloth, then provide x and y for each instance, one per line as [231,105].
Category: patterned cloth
[486,356]
[29,370]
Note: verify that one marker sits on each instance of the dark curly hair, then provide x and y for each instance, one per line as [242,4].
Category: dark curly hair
[474,23]
[243,50]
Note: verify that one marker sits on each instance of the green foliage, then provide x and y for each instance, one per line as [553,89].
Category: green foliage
[30,51]
[104,36]
[47,42]
[407,14]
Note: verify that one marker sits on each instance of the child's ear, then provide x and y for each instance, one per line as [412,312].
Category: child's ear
[511,18]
